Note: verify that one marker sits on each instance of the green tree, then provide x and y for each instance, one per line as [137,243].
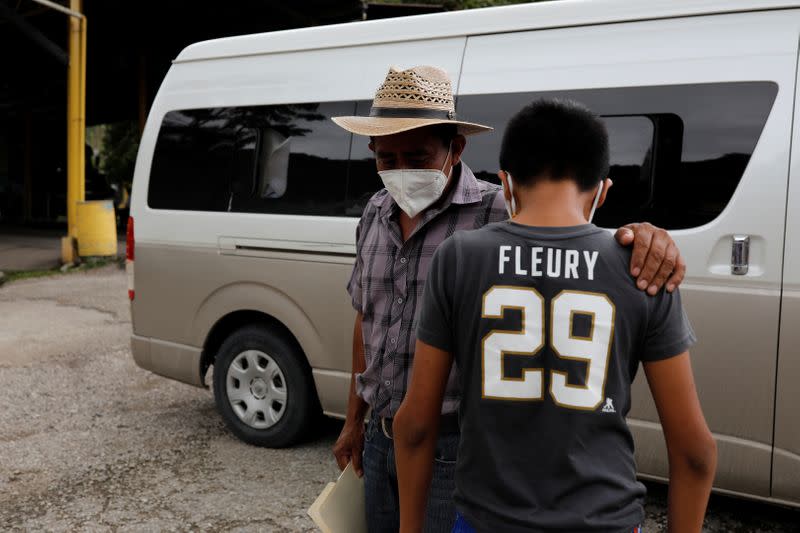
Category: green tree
[120,144]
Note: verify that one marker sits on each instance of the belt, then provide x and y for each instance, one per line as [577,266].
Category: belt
[448,425]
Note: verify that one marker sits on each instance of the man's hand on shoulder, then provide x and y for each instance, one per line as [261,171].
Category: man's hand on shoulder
[655,260]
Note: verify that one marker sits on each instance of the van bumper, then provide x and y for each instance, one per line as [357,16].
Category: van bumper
[168,359]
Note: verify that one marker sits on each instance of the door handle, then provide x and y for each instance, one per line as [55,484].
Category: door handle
[740,255]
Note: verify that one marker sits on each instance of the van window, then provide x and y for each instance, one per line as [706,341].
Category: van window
[289,159]
[677,152]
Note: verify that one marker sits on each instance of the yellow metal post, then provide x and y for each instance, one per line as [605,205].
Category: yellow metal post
[82,114]
[76,126]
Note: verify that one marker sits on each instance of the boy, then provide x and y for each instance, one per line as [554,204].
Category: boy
[547,330]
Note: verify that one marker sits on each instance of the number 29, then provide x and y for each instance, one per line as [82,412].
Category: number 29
[593,349]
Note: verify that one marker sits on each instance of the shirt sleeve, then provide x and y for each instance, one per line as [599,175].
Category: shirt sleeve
[435,322]
[354,287]
[669,332]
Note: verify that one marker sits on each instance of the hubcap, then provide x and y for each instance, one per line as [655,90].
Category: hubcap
[256,389]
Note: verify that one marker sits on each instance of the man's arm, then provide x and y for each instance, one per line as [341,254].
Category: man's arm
[416,428]
[691,449]
[350,444]
[655,260]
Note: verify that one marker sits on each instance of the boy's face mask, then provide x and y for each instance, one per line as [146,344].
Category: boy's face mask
[596,200]
[415,190]
[511,206]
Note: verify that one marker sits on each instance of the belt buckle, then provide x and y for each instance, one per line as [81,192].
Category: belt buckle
[383,428]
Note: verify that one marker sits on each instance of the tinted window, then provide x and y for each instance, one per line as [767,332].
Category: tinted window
[267,159]
[677,152]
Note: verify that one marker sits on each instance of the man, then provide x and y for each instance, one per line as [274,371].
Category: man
[547,329]
[429,194]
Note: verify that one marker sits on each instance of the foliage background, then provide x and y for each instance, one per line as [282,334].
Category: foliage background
[121,142]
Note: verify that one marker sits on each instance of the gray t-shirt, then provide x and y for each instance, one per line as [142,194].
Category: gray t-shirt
[547,329]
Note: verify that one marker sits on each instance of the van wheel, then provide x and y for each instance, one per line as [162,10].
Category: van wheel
[263,389]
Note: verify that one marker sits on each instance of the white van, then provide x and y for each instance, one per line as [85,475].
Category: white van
[246,198]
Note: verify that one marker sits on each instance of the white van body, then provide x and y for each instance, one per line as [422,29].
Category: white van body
[729,69]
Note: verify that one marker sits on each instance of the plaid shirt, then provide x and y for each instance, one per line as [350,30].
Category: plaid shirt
[389,278]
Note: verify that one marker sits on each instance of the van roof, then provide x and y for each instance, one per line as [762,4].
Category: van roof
[541,15]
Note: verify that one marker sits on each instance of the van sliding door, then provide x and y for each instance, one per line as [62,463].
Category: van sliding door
[698,112]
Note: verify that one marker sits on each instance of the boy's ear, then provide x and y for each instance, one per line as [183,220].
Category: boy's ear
[607,183]
[371,146]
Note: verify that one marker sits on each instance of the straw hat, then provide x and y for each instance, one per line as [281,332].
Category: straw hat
[409,99]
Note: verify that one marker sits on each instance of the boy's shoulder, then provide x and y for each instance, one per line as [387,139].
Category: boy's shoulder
[607,242]
[617,258]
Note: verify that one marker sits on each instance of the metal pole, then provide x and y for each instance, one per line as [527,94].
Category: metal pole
[75,149]
[58,7]
[82,114]
[76,121]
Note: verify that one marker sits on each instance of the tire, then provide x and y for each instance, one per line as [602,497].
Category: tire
[263,388]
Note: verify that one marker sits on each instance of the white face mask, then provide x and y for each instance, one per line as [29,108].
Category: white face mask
[512,206]
[596,200]
[415,190]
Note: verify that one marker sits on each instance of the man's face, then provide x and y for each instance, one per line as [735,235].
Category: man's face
[415,149]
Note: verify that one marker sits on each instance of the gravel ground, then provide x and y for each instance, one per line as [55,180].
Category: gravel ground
[88,441]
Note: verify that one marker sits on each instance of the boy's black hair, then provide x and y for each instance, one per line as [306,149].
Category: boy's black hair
[555,139]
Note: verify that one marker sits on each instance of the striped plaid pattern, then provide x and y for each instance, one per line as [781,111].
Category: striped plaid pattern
[389,276]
